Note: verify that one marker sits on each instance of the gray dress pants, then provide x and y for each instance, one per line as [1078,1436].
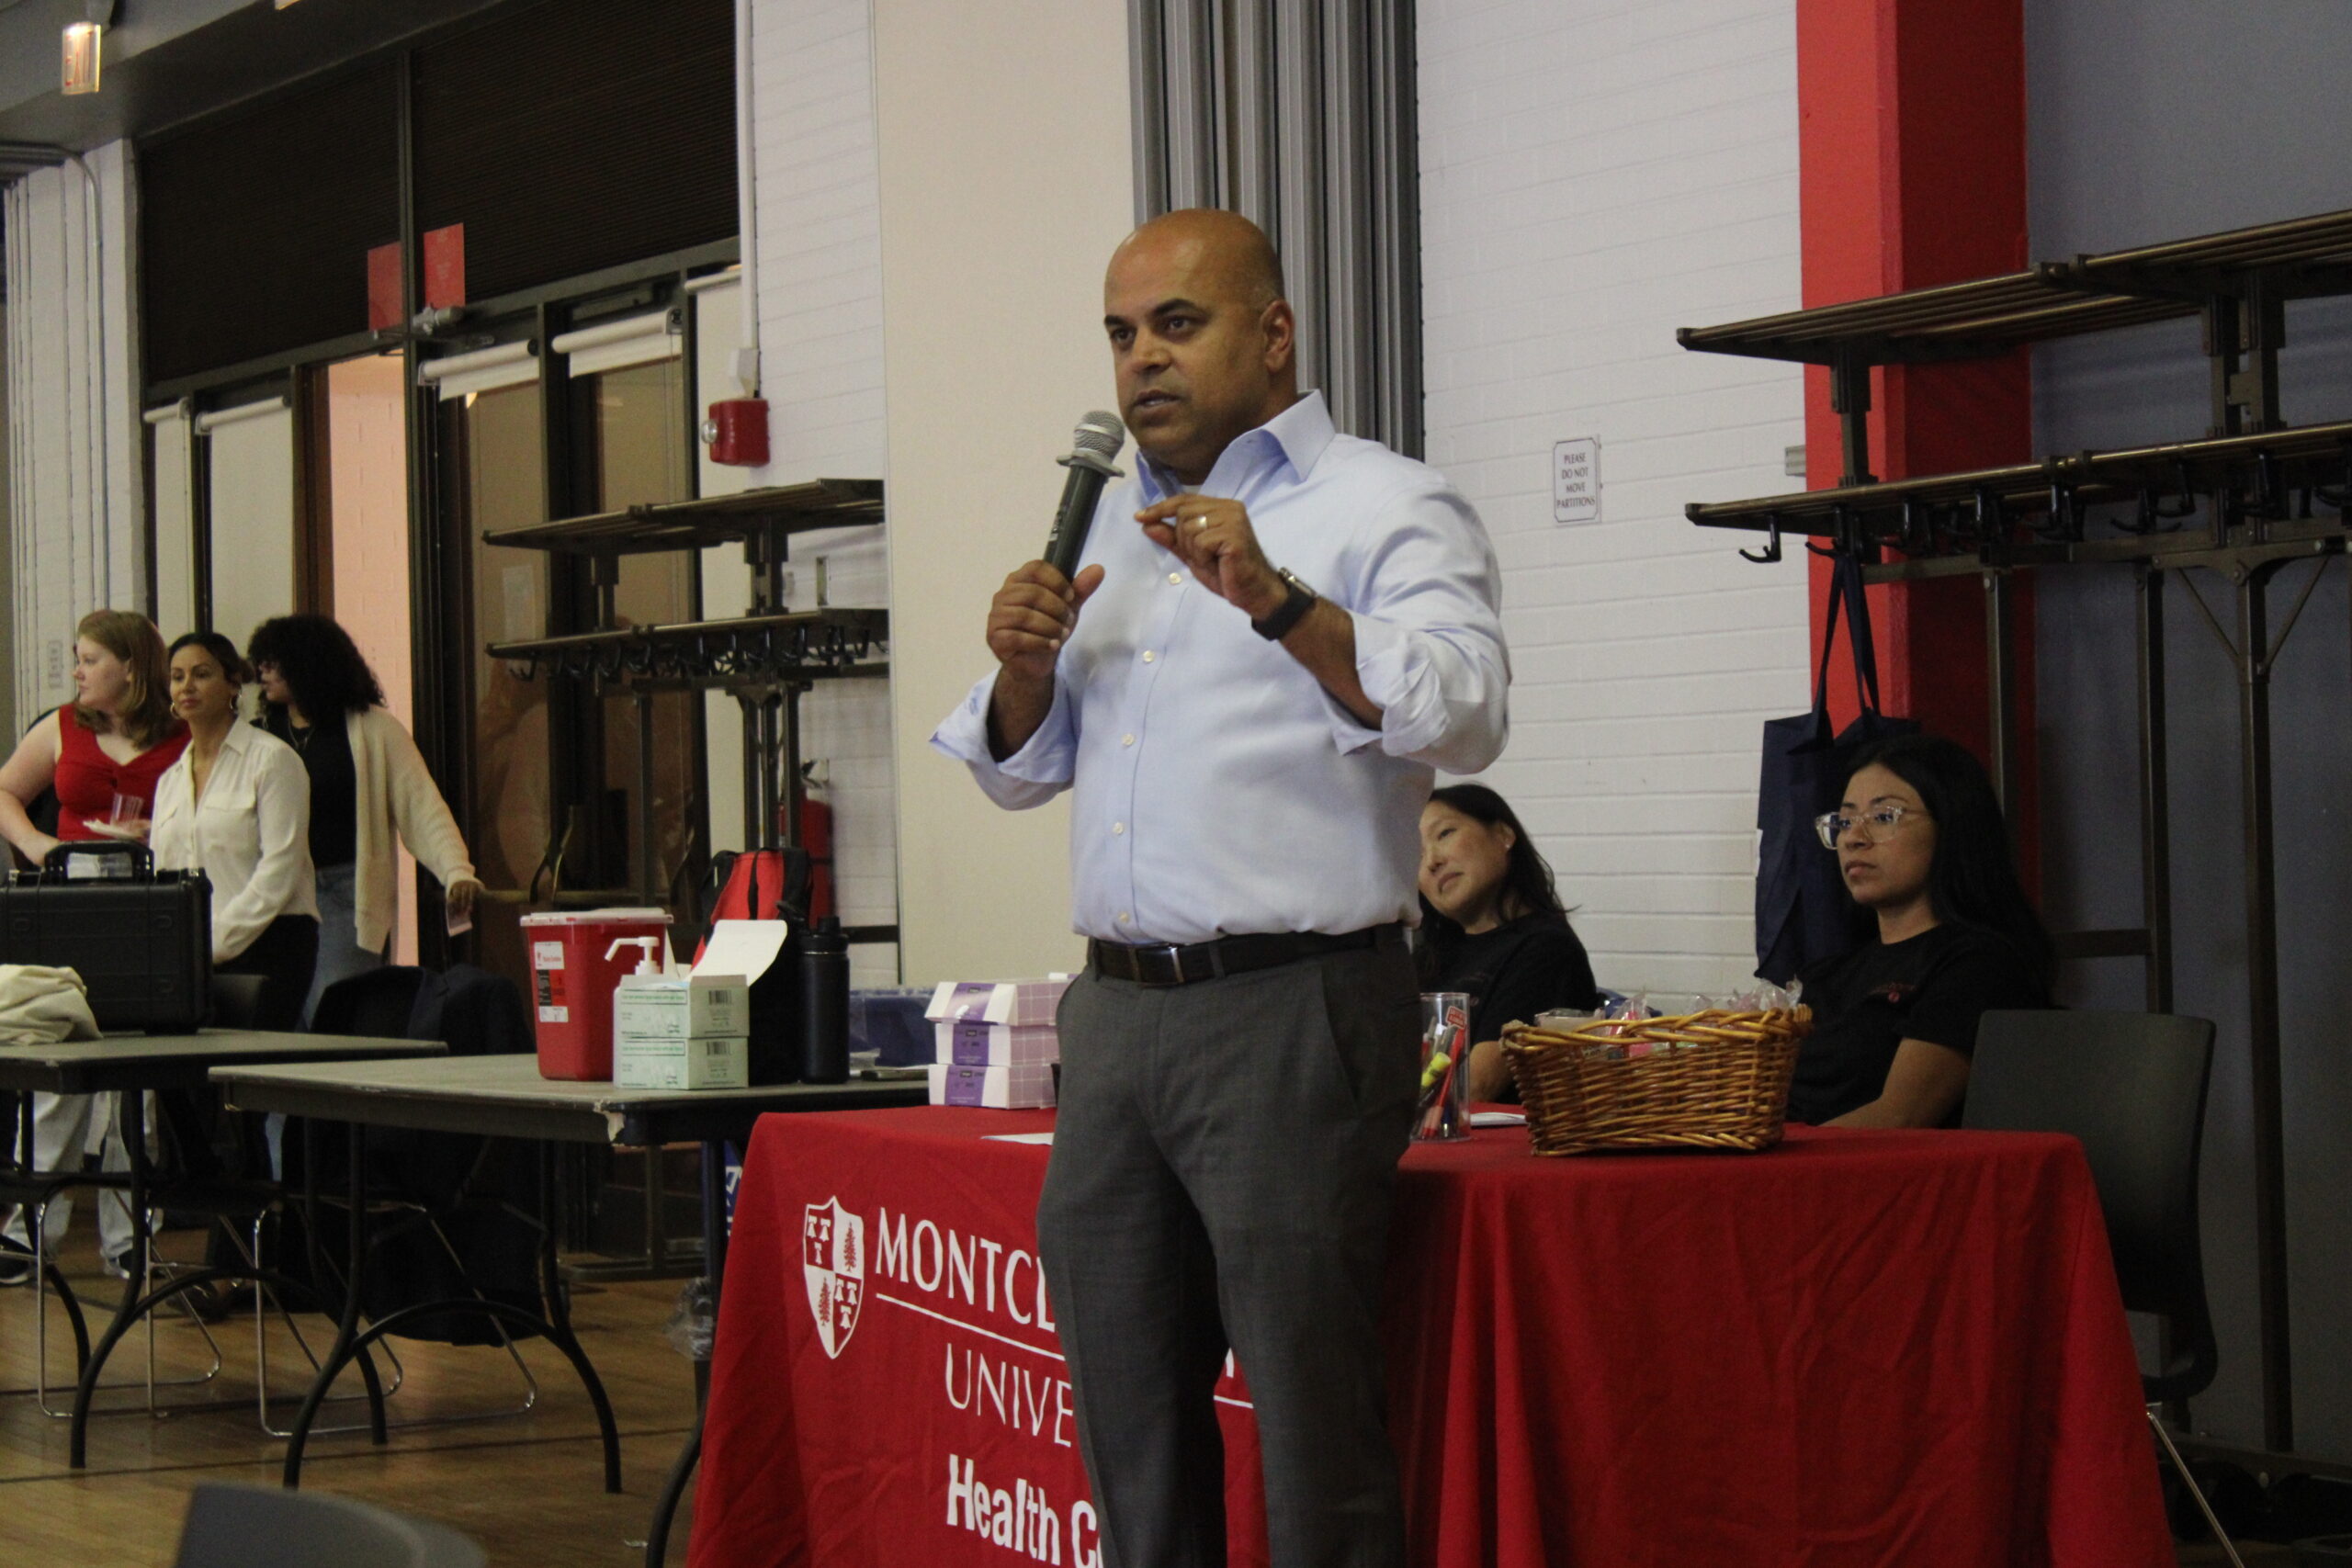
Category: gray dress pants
[1222,1173]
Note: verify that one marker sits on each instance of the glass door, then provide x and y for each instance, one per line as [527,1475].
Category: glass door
[494,473]
[629,446]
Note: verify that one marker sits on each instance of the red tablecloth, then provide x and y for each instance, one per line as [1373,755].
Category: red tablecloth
[1855,1348]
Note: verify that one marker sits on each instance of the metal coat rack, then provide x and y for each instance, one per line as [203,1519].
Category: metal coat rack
[767,660]
[2247,503]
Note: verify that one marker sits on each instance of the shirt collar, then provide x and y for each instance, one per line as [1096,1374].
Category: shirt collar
[1298,436]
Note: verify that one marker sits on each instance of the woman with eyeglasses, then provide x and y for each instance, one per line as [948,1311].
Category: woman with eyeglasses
[1920,844]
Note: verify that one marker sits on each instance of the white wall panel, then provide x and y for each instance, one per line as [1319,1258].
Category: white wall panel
[173,436]
[1006,180]
[1594,176]
[726,581]
[252,533]
[816,191]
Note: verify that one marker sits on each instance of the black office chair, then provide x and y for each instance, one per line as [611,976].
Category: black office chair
[256,1526]
[2130,1086]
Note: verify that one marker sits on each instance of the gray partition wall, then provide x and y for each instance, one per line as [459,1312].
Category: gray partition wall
[1299,115]
[2152,120]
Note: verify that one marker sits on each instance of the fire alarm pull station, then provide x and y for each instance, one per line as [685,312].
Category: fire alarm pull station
[737,432]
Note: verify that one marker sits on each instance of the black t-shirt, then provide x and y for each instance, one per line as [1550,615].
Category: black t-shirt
[1529,966]
[1933,987]
[325,750]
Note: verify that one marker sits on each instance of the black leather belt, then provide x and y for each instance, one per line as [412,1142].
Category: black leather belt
[1168,963]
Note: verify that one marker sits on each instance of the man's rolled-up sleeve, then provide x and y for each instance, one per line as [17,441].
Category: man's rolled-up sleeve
[1430,648]
[1041,770]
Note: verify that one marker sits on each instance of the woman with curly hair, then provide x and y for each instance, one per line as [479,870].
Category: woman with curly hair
[370,794]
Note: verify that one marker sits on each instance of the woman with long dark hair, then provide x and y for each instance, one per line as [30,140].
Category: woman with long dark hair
[1492,926]
[371,793]
[237,807]
[1920,844]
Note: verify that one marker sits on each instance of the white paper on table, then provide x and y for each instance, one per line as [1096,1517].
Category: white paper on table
[1020,1137]
[1499,1117]
[743,947]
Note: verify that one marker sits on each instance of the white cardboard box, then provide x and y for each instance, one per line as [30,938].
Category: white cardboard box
[710,1063]
[970,1043]
[1020,1087]
[681,1007]
[1023,1004]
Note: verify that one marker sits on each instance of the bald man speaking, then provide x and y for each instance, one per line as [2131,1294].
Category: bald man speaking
[1275,634]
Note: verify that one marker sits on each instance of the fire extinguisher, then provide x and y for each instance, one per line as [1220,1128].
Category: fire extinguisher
[816,837]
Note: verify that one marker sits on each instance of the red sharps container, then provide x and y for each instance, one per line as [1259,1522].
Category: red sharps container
[572,983]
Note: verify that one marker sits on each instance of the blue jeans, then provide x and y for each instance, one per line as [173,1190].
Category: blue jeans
[340,954]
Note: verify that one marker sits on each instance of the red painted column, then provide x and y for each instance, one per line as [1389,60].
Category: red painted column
[1912,158]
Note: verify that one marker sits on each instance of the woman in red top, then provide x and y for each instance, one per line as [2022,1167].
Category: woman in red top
[116,739]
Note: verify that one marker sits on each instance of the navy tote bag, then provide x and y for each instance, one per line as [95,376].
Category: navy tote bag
[1803,914]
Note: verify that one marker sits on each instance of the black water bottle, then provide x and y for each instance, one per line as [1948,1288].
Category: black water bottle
[824,1003]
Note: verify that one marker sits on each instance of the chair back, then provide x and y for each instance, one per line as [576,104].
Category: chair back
[374,1004]
[237,1001]
[2130,1086]
[255,1527]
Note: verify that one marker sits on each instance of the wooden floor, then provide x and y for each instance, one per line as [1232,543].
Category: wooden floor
[528,1487]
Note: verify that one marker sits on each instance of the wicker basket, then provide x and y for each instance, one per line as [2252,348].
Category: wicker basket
[1710,1080]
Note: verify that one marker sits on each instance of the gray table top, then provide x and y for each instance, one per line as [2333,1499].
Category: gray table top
[506,1097]
[168,1061]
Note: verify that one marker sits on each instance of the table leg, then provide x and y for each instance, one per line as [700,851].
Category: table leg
[352,1343]
[558,1319]
[347,1345]
[714,1263]
[132,1126]
[674,1492]
[134,1306]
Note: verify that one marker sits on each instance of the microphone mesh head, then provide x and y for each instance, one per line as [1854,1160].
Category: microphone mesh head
[1101,433]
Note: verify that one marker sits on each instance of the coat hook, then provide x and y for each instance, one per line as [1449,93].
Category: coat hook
[1770,553]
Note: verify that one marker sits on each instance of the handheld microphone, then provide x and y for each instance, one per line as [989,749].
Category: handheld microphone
[1096,441]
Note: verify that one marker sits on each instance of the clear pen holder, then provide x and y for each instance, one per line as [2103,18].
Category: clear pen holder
[1442,1113]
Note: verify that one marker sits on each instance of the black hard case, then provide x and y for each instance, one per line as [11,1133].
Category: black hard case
[143,944]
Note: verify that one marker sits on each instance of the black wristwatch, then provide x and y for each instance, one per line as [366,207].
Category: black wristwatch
[1291,611]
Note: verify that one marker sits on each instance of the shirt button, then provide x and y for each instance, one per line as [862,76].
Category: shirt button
[1149,656]
[1125,916]
[1126,740]
[1117,827]
[1176,579]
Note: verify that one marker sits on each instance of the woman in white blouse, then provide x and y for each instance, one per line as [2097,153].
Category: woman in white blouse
[237,807]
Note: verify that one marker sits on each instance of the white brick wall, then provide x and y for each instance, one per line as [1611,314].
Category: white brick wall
[1595,173]
[820,263]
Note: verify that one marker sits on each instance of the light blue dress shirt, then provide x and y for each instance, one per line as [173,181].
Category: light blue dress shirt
[1220,790]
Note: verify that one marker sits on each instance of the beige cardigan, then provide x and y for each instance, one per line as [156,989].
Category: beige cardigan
[398,803]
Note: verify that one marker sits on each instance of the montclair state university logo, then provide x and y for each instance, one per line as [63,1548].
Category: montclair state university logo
[832,1258]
